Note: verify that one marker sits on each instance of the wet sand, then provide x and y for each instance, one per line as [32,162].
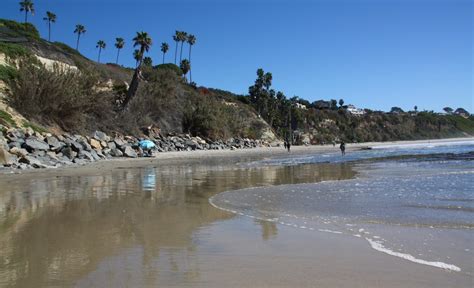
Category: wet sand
[148,223]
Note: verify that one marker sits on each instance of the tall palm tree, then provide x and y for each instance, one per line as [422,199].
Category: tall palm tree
[144,41]
[185,67]
[164,49]
[176,39]
[183,36]
[27,6]
[80,29]
[51,18]
[101,45]
[191,41]
[119,43]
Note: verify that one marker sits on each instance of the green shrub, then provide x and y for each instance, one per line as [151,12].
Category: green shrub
[169,66]
[66,48]
[15,29]
[7,118]
[14,51]
[64,97]
[36,128]
[7,73]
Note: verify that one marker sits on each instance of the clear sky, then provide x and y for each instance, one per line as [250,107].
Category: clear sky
[372,53]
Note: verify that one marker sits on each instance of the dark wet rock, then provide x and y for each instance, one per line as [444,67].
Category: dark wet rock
[80,161]
[85,155]
[116,152]
[69,152]
[30,160]
[84,144]
[33,143]
[129,152]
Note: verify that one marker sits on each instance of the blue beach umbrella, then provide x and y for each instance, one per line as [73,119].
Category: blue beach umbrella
[146,144]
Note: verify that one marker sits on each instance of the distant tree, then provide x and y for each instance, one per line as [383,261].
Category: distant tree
[176,39]
[164,48]
[396,110]
[50,18]
[191,39]
[144,41]
[333,104]
[341,103]
[27,6]
[119,44]
[183,36]
[80,29]
[101,45]
[185,67]
[462,112]
[260,92]
[416,108]
[147,61]
[448,110]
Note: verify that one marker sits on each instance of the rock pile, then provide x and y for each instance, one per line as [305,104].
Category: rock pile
[24,148]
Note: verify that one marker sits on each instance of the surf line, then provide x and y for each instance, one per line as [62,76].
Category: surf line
[379,247]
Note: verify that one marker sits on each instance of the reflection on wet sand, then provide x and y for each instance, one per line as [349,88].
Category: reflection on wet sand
[79,230]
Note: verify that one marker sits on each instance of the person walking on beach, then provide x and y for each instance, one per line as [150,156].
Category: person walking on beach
[343,148]
[284,144]
[288,145]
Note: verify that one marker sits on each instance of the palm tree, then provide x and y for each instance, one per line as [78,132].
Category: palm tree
[137,56]
[185,67]
[27,6]
[101,45]
[164,49]
[51,18]
[119,43]
[183,36]
[176,39]
[80,29]
[144,41]
[191,41]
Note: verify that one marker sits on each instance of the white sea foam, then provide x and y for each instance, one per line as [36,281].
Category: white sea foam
[381,248]
[329,231]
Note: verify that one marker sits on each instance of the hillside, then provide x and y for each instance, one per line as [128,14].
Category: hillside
[89,100]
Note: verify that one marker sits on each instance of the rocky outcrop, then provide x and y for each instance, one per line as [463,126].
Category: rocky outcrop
[25,148]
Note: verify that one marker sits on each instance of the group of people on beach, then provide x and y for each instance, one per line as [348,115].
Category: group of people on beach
[342,146]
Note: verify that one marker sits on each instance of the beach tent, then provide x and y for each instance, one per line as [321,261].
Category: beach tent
[146,144]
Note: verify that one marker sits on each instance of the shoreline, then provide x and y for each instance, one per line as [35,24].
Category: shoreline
[224,154]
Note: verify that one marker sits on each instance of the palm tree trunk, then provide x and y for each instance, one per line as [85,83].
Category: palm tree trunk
[98,59]
[118,52]
[26,16]
[49,31]
[132,90]
[181,53]
[175,52]
[163,57]
[190,65]
[77,44]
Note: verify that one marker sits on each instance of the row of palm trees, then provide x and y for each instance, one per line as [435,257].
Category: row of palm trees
[27,6]
[142,41]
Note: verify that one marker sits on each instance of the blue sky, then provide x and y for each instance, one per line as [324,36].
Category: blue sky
[372,53]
